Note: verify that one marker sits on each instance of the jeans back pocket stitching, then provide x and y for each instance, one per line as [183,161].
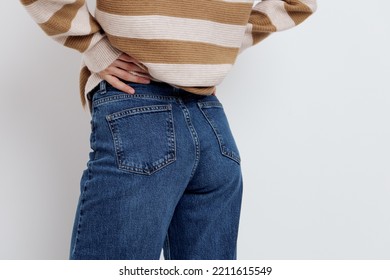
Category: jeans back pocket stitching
[224,150]
[169,157]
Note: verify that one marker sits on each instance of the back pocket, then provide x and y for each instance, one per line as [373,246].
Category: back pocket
[215,115]
[144,138]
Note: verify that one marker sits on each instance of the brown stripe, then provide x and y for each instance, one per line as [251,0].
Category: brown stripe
[61,21]
[27,2]
[228,12]
[84,75]
[297,11]
[199,90]
[258,37]
[80,43]
[94,24]
[174,51]
[261,22]
[262,26]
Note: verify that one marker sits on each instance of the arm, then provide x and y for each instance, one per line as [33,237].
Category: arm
[271,16]
[70,23]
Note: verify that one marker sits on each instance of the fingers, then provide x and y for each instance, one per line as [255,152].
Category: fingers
[128,58]
[128,66]
[125,57]
[120,70]
[113,73]
[125,75]
[118,84]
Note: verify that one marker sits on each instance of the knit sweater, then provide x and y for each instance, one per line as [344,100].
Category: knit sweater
[190,44]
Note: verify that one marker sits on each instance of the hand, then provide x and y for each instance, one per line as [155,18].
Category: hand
[120,69]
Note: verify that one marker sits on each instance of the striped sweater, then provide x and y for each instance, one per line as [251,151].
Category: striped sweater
[190,44]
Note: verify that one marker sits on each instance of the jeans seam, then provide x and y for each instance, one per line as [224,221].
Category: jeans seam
[194,136]
[79,222]
[168,247]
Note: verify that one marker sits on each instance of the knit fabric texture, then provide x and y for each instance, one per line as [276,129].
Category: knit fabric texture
[189,44]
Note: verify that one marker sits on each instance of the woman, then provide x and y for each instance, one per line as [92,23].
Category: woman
[164,171]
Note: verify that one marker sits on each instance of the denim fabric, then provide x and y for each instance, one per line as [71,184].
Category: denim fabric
[163,173]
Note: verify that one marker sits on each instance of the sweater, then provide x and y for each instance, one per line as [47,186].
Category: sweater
[189,44]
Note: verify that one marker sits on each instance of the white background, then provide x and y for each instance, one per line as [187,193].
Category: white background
[309,108]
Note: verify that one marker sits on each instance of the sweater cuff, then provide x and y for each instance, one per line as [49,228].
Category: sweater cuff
[101,55]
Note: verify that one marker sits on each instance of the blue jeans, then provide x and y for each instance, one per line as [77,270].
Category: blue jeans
[163,173]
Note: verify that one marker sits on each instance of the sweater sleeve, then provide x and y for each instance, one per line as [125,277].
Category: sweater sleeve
[271,16]
[70,23]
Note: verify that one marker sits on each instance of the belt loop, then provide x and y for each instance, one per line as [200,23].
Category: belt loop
[103,89]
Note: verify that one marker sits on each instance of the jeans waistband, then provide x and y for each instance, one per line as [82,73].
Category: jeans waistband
[153,88]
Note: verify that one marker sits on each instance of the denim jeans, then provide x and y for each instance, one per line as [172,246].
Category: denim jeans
[163,173]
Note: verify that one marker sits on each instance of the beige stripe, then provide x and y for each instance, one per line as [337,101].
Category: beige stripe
[81,24]
[189,74]
[298,13]
[61,21]
[172,51]
[247,40]
[171,28]
[228,12]
[41,12]
[312,4]
[82,43]
[60,39]
[101,54]
[276,13]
